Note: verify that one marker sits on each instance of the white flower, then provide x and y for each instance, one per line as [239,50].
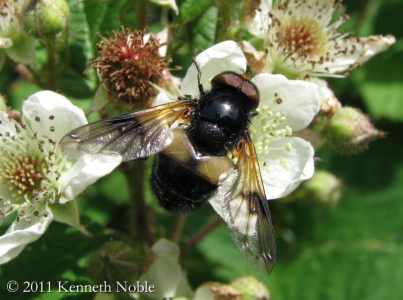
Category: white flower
[165,273]
[285,105]
[301,40]
[16,44]
[38,184]
[169,3]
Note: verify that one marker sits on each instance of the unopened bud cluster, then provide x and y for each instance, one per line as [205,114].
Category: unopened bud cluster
[323,188]
[244,288]
[45,18]
[349,131]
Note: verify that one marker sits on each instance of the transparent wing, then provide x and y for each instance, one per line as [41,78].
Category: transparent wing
[132,136]
[245,208]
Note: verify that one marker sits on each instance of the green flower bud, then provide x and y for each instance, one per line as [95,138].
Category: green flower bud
[323,187]
[349,131]
[115,261]
[251,288]
[244,288]
[216,291]
[45,18]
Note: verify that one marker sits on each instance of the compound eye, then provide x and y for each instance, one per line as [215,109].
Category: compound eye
[241,83]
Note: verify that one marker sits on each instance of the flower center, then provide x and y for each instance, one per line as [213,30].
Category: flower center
[23,175]
[28,170]
[302,36]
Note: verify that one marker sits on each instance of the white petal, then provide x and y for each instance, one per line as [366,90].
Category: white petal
[319,11]
[101,98]
[260,23]
[84,172]
[6,124]
[164,272]
[289,161]
[20,234]
[162,37]
[204,292]
[5,42]
[299,99]
[169,3]
[164,247]
[225,56]
[375,44]
[358,51]
[162,98]
[47,103]
[330,103]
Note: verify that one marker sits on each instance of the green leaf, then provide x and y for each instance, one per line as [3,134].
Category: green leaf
[62,253]
[191,9]
[95,13]
[100,16]
[79,51]
[380,83]
[220,250]
[343,271]
[87,18]
[204,31]
[68,213]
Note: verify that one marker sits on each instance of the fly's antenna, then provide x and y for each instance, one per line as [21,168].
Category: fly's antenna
[201,90]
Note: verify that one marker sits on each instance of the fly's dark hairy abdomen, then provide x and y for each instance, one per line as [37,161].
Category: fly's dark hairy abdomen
[177,187]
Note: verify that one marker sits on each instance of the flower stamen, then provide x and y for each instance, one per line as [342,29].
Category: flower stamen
[268,126]
[27,170]
[129,63]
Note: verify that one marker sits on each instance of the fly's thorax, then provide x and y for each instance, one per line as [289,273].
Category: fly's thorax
[222,115]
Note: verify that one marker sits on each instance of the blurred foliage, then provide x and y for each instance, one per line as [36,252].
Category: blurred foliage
[351,251]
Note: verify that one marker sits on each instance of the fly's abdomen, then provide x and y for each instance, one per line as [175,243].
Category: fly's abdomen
[182,178]
[177,187]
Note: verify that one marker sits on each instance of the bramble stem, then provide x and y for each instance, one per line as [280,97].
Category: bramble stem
[198,236]
[140,228]
[178,228]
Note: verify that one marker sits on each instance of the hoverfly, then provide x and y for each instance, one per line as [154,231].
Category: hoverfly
[203,151]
